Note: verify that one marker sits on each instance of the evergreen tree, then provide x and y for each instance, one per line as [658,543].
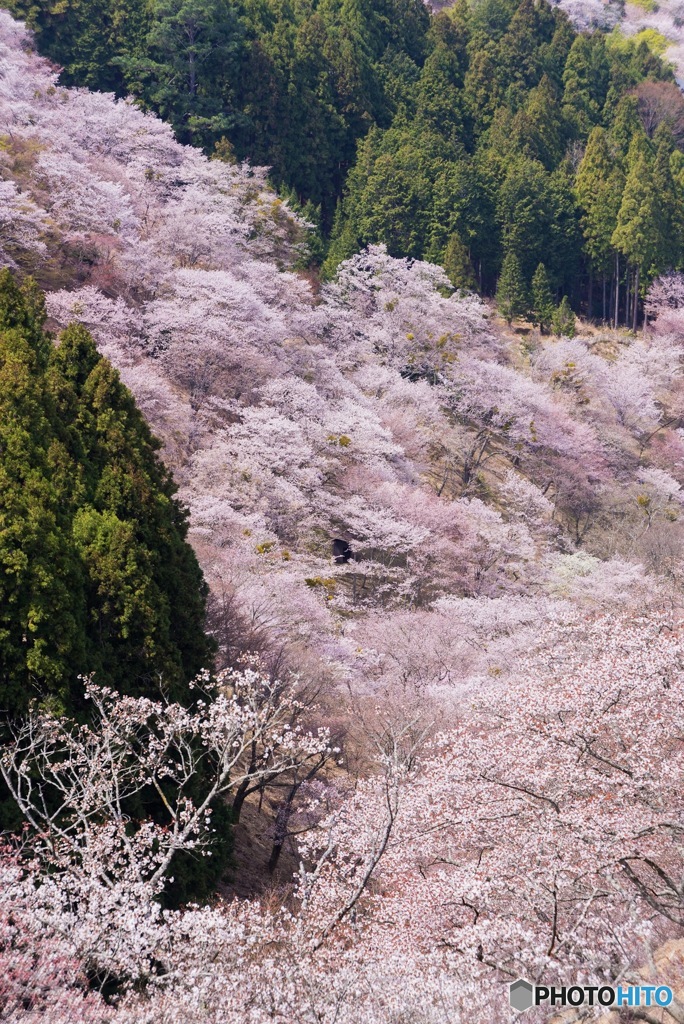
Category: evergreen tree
[396,204]
[461,205]
[440,89]
[539,129]
[396,125]
[188,49]
[626,126]
[557,51]
[522,48]
[636,235]
[491,18]
[598,188]
[564,320]
[543,306]
[585,83]
[536,211]
[96,574]
[42,620]
[344,242]
[670,231]
[484,90]
[86,37]
[457,264]
[511,294]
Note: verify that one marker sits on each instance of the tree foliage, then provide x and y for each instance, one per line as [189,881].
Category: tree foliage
[532,157]
[488,485]
[511,294]
[97,575]
[563,320]
[542,299]
[292,86]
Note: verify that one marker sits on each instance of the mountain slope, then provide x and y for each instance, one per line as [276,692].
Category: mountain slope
[462,462]
[500,651]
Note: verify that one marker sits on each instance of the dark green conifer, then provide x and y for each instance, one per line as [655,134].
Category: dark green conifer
[564,322]
[97,576]
[511,293]
[543,305]
[458,266]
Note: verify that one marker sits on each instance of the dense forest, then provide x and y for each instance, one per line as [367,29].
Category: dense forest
[524,144]
[359,693]
[290,85]
[492,139]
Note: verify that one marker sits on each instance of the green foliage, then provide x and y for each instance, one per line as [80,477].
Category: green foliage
[585,83]
[96,572]
[181,68]
[537,217]
[538,128]
[670,223]
[96,575]
[439,100]
[86,37]
[646,5]
[293,86]
[656,42]
[543,306]
[438,135]
[516,97]
[598,188]
[511,294]
[457,264]
[564,320]
[636,235]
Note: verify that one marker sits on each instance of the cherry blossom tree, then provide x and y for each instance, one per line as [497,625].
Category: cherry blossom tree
[594,784]
[22,225]
[538,835]
[497,496]
[42,977]
[73,783]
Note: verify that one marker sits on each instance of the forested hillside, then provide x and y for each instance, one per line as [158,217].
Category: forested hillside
[292,86]
[525,144]
[444,551]
[490,139]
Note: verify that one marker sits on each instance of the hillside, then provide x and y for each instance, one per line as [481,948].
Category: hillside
[490,132]
[462,460]
[442,722]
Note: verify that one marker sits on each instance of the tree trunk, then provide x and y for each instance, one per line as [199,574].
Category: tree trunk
[281,822]
[243,789]
[193,76]
[627,308]
[591,293]
[636,298]
[604,296]
[239,800]
[191,35]
[617,287]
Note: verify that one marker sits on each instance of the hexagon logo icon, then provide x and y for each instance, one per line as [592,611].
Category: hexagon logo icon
[521,995]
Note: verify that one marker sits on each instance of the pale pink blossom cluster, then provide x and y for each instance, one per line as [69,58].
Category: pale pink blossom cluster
[516,807]
[384,409]
[540,835]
